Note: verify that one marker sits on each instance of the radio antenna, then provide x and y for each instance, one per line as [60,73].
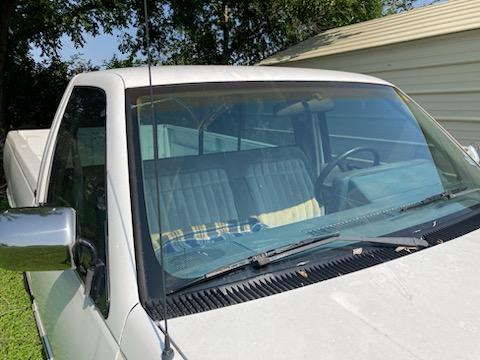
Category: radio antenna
[168,352]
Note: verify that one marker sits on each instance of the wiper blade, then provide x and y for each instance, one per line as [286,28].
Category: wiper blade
[445,195]
[255,260]
[265,258]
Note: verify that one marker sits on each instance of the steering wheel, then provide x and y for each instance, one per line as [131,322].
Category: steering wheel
[320,186]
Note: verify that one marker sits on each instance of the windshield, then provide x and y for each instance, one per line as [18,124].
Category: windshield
[243,168]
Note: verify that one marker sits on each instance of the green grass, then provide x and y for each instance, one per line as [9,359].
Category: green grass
[3,203]
[18,332]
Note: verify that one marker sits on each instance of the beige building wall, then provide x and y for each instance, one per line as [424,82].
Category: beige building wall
[441,73]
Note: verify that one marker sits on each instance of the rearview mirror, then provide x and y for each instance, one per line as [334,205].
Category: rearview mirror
[37,239]
[315,104]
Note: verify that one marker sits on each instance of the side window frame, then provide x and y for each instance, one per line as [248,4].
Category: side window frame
[103,302]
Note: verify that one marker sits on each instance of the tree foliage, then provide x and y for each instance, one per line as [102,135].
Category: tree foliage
[238,32]
[44,24]
[35,89]
[396,6]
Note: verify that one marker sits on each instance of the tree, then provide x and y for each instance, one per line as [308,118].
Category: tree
[6,9]
[114,62]
[35,89]
[396,6]
[43,23]
[238,32]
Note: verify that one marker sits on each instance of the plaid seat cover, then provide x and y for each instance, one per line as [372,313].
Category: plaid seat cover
[198,236]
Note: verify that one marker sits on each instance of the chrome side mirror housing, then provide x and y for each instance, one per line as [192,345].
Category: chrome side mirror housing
[37,239]
[473,152]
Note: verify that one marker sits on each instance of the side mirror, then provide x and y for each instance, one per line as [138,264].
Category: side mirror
[472,151]
[37,239]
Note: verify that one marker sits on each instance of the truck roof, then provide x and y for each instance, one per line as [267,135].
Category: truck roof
[167,75]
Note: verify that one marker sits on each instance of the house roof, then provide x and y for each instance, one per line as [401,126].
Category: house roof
[433,20]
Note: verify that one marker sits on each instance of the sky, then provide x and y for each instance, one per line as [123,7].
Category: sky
[98,49]
[102,47]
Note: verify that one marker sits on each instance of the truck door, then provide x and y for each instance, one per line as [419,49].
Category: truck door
[73,305]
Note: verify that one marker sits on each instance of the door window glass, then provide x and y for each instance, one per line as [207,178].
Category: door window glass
[77,178]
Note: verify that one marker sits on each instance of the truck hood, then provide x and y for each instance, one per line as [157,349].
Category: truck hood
[422,306]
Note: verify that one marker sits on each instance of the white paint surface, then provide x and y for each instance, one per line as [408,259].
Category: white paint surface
[421,306]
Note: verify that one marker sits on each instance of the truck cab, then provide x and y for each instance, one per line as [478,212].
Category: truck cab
[265,212]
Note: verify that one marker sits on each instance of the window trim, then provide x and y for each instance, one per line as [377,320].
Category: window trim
[149,272]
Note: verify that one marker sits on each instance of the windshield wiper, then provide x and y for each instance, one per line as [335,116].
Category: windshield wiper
[289,250]
[445,195]
[265,258]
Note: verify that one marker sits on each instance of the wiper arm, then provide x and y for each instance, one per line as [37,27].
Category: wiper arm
[446,195]
[289,250]
[265,258]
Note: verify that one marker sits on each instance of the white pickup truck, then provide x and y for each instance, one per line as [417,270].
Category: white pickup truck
[267,213]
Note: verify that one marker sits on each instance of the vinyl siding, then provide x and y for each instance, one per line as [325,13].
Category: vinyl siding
[425,22]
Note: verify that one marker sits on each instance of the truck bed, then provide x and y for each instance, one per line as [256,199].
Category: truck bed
[21,161]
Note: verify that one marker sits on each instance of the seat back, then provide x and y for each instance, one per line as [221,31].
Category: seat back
[279,186]
[273,185]
[193,191]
